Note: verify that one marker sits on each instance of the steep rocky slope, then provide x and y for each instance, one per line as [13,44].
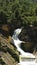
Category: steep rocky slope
[8,54]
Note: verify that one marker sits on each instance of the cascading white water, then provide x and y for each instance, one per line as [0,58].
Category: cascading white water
[18,42]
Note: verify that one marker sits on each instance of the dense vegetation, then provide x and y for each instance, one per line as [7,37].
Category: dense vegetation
[24,11]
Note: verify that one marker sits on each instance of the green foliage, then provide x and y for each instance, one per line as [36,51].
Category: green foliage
[23,10]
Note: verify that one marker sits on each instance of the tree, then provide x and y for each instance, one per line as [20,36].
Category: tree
[23,10]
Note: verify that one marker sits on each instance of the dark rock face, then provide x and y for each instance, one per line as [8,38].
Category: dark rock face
[29,35]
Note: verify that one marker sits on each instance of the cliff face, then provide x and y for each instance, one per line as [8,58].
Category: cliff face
[8,53]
